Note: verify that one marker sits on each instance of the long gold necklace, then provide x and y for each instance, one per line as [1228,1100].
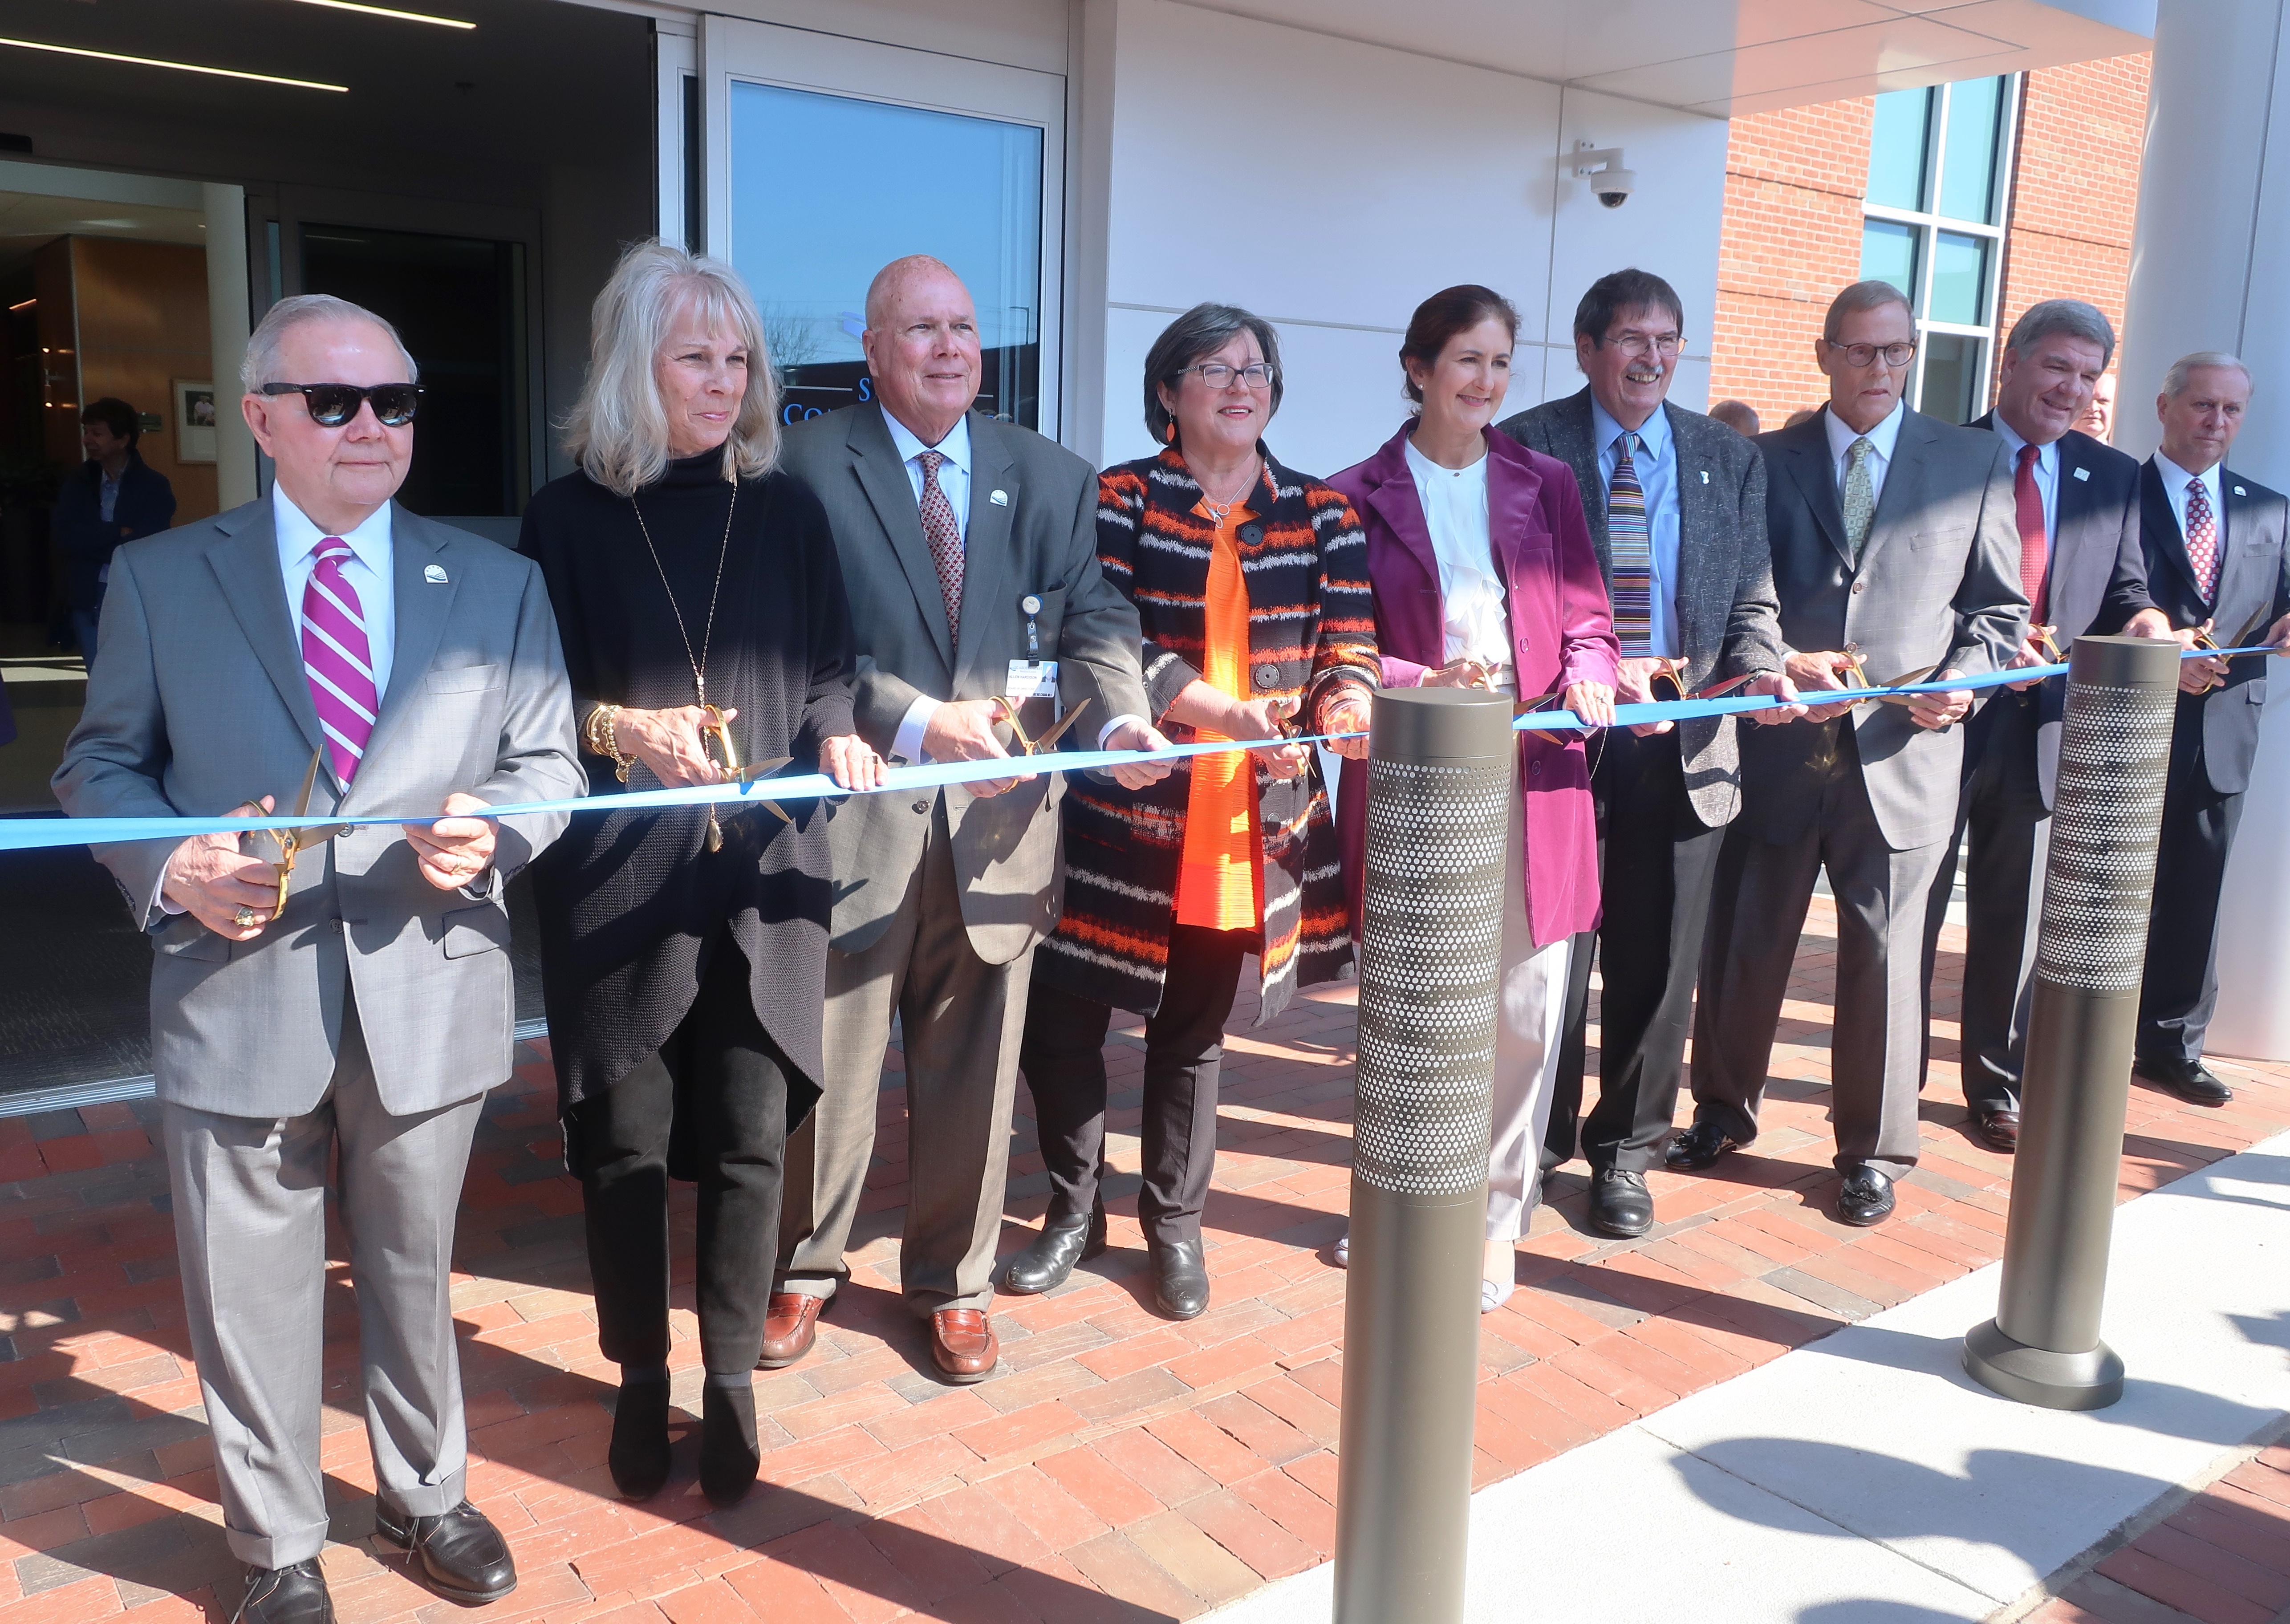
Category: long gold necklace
[699,662]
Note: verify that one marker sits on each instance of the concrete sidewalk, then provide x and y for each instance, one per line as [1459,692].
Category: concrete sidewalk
[1865,1479]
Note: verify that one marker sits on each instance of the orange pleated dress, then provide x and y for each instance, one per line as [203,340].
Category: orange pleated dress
[1220,884]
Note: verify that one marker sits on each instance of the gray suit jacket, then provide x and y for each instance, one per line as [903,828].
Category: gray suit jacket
[1937,585]
[201,703]
[1039,540]
[1727,617]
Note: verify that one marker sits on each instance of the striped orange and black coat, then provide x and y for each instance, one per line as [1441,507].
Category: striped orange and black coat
[1311,633]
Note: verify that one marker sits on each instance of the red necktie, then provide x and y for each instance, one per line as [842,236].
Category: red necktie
[2035,545]
[2202,539]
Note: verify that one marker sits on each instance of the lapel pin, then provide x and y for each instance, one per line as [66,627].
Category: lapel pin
[2083,473]
[1000,498]
[2238,490]
[1705,476]
[434,573]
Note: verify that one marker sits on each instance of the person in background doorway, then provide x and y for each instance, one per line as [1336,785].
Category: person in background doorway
[2216,564]
[683,952]
[1251,587]
[2077,506]
[1484,577]
[1895,558]
[2098,417]
[114,496]
[1738,415]
[1676,507]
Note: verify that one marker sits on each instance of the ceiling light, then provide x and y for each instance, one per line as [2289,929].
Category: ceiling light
[152,62]
[390,11]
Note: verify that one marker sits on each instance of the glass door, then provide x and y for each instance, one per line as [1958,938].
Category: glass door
[826,158]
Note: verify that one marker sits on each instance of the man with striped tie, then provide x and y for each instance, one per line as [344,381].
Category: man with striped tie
[2216,563]
[326,636]
[1676,503]
[1896,553]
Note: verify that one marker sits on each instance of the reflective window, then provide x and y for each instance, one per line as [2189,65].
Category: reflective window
[828,189]
[1931,226]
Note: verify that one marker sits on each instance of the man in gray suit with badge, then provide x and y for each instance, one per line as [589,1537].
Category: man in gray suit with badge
[342,995]
[969,548]
[1676,508]
[1896,561]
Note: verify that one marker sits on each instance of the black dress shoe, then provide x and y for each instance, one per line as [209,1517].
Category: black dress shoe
[1699,1148]
[1620,1205]
[1866,1199]
[2191,1080]
[460,1552]
[729,1455]
[1046,1264]
[639,1456]
[295,1595]
[1181,1280]
[1996,1126]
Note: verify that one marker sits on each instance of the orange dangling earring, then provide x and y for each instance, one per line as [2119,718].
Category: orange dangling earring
[1169,432]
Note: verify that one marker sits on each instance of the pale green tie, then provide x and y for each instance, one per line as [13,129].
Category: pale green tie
[1860,496]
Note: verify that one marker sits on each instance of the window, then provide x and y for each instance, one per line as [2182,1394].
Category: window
[1931,226]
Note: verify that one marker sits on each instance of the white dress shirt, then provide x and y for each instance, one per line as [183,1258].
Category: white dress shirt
[1655,459]
[2047,476]
[1882,439]
[2175,480]
[1477,619]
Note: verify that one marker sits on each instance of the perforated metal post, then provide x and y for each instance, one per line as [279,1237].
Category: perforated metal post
[1442,763]
[2042,1346]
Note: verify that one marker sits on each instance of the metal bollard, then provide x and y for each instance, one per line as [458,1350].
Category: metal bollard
[2042,1346]
[1442,767]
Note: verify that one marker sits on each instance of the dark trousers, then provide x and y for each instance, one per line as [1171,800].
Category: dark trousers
[2001,809]
[711,1104]
[1063,1059]
[2178,992]
[1657,862]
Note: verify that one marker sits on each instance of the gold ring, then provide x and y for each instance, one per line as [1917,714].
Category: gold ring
[244,918]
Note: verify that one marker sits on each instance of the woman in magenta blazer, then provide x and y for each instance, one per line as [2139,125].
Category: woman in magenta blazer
[1483,576]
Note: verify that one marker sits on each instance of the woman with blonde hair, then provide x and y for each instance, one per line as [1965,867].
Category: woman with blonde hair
[684,952]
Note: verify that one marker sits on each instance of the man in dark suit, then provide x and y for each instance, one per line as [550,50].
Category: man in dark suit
[1683,548]
[969,548]
[2075,504]
[114,496]
[1894,556]
[2216,563]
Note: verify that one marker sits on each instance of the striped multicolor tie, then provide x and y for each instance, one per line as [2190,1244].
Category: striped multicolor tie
[1629,545]
[338,661]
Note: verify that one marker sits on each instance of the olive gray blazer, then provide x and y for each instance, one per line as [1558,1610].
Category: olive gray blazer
[200,703]
[1032,531]
[1726,614]
[1937,585]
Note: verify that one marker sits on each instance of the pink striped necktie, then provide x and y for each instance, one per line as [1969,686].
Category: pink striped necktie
[338,661]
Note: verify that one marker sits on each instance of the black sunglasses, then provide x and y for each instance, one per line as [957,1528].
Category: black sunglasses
[332,404]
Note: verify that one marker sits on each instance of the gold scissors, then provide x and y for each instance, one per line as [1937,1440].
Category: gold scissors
[1673,676]
[1861,673]
[716,732]
[294,840]
[2046,638]
[1042,746]
[762,770]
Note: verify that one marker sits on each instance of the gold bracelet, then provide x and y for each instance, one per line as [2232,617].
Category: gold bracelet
[603,739]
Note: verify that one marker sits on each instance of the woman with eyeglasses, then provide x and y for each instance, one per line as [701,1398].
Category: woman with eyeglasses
[1249,580]
[1484,577]
[684,952]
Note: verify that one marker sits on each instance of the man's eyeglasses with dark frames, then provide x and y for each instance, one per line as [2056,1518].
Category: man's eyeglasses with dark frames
[1638,346]
[334,404]
[1896,355]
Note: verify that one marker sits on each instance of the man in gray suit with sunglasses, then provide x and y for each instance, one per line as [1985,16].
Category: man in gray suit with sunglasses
[326,639]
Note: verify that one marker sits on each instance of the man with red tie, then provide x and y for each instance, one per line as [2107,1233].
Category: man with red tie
[334,1019]
[2077,504]
[2217,566]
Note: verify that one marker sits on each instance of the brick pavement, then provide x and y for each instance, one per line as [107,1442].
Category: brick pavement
[1118,1467]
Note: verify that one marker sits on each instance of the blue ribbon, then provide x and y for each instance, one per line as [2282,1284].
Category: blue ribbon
[35,834]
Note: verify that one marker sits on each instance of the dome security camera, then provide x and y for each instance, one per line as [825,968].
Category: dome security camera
[1602,167]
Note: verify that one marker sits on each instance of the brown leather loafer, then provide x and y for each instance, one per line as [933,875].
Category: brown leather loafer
[791,1326]
[962,1345]
[1995,1128]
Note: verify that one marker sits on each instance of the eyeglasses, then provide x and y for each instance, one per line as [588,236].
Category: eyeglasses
[1896,355]
[1638,347]
[334,404]
[1217,375]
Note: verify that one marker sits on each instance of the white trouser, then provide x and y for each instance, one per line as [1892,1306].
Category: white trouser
[1530,1012]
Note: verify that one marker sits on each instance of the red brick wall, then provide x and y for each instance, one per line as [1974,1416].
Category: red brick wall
[1794,182]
